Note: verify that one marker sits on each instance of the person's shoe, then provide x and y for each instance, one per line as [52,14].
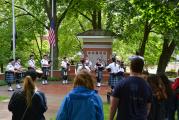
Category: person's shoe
[66,81]
[18,86]
[46,82]
[63,81]
[10,89]
[43,82]
[98,84]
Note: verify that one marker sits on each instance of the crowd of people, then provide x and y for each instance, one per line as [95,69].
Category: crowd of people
[139,96]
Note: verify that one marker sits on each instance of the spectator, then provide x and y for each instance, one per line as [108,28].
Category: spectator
[83,102]
[170,105]
[159,98]
[175,87]
[132,96]
[29,103]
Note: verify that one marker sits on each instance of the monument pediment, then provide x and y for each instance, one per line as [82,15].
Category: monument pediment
[96,34]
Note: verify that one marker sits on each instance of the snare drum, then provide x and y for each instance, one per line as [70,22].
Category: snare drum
[39,73]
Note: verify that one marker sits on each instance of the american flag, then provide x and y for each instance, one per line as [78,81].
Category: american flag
[51,36]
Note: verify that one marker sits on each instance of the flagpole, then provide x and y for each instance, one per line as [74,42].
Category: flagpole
[13,31]
[52,44]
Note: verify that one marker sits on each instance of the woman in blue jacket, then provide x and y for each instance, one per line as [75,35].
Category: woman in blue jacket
[83,102]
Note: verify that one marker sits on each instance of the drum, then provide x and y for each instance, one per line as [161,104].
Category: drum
[39,73]
[18,75]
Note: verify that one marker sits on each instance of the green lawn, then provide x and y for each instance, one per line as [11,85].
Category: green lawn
[3,98]
[106,111]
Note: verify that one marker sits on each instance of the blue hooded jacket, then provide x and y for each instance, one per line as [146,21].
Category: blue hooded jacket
[81,104]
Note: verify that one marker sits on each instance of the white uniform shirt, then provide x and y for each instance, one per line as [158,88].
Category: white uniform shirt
[10,67]
[81,67]
[64,64]
[114,67]
[31,63]
[17,65]
[44,63]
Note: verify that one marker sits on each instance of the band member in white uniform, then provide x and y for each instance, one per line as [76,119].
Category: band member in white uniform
[18,73]
[9,74]
[82,66]
[64,70]
[88,62]
[114,73]
[99,67]
[45,68]
[31,63]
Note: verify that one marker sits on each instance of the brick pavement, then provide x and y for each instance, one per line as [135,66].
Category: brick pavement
[54,92]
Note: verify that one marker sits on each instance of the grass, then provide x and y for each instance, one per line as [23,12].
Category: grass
[2,82]
[106,111]
[3,98]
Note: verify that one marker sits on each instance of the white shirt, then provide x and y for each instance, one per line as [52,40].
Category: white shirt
[114,67]
[31,63]
[44,63]
[17,65]
[64,64]
[10,67]
[81,67]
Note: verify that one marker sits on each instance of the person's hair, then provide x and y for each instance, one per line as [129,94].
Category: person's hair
[137,52]
[31,56]
[157,86]
[167,84]
[113,59]
[137,65]
[29,89]
[84,78]
[45,55]
[17,58]
[32,74]
[82,60]
[10,60]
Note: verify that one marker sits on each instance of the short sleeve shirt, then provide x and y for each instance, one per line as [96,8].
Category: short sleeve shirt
[133,93]
[114,67]
[17,65]
[9,67]
[31,63]
[44,63]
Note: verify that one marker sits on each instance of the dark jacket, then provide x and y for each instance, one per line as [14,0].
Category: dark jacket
[17,106]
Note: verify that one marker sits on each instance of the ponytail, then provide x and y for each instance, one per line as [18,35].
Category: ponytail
[29,89]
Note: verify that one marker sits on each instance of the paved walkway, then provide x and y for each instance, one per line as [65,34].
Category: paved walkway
[54,92]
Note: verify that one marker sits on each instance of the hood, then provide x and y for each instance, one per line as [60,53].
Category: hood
[81,93]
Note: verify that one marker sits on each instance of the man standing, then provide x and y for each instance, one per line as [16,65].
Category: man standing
[45,69]
[9,74]
[18,73]
[99,67]
[31,63]
[132,96]
[64,70]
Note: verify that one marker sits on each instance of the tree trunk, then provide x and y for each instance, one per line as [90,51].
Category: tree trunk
[168,48]
[99,20]
[94,20]
[147,29]
[2,68]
